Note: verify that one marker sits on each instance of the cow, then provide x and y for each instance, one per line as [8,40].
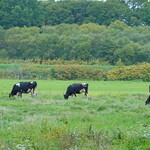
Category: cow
[148,100]
[76,88]
[23,87]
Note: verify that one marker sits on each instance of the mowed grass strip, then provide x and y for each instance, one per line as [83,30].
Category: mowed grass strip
[114,116]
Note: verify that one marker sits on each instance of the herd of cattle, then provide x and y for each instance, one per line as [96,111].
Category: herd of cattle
[27,87]
[73,89]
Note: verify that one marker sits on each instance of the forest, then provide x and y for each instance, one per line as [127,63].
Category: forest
[39,13]
[116,42]
[108,31]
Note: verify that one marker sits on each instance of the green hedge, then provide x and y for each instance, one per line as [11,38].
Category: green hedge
[73,72]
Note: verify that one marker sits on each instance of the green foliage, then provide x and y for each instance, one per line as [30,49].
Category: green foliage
[119,63]
[21,13]
[87,42]
[38,13]
[135,4]
[143,13]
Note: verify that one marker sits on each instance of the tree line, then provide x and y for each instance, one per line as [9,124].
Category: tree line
[30,13]
[115,43]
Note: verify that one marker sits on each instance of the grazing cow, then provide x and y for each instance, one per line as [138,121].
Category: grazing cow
[23,87]
[148,100]
[76,88]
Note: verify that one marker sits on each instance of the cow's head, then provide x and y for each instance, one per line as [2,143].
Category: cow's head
[147,101]
[10,95]
[66,96]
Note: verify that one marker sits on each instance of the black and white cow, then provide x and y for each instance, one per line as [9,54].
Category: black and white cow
[76,88]
[23,87]
[148,100]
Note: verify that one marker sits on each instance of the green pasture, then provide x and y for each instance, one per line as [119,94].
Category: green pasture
[113,117]
[96,88]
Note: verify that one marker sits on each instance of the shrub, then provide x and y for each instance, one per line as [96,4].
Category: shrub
[74,72]
[60,61]
[71,72]
[133,72]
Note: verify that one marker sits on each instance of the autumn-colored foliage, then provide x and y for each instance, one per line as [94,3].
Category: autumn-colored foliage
[130,73]
[74,72]
[71,72]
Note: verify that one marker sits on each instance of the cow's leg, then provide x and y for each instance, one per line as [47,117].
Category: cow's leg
[19,94]
[75,94]
[32,92]
[86,92]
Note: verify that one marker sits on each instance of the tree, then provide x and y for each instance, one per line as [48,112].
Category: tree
[77,47]
[112,43]
[2,38]
[57,13]
[3,52]
[81,51]
[119,25]
[105,13]
[20,13]
[17,17]
[135,4]
[144,13]
[79,11]
[130,53]
[107,49]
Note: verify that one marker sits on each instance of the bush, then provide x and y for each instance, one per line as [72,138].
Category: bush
[60,61]
[133,72]
[74,72]
[71,72]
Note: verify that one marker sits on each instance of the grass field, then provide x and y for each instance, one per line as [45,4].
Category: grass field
[113,117]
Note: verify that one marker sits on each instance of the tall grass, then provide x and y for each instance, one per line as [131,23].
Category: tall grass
[112,117]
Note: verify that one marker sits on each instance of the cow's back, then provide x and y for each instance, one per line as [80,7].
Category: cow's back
[24,86]
[74,88]
[28,85]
